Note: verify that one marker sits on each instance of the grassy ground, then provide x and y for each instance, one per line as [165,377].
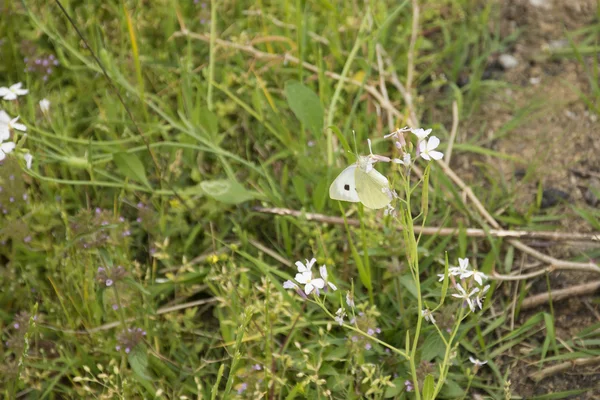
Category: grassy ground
[140,261]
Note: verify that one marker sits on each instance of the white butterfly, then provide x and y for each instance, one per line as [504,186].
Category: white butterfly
[360,182]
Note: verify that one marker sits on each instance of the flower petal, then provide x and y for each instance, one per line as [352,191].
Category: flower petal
[7,147]
[433,143]
[289,285]
[323,271]
[308,288]
[436,155]
[332,286]
[318,282]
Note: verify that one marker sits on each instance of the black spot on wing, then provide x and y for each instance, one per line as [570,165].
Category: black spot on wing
[347,187]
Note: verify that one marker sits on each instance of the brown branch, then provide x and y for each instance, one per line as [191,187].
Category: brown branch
[556,295]
[564,366]
[433,230]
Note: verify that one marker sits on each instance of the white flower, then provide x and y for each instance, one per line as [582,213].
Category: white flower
[45,105]
[304,277]
[428,315]
[309,283]
[6,148]
[462,294]
[405,160]
[427,149]
[462,271]
[349,299]
[479,277]
[421,133]
[6,124]
[289,285]
[323,272]
[28,159]
[11,93]
[481,296]
[476,362]
[339,316]
[305,268]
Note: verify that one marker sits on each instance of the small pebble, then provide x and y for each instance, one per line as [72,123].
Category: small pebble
[552,196]
[508,61]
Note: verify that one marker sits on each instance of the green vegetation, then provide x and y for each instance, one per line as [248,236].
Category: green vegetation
[139,260]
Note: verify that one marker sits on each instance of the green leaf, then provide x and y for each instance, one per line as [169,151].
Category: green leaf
[428,388]
[138,359]
[433,347]
[226,191]
[131,166]
[451,390]
[306,106]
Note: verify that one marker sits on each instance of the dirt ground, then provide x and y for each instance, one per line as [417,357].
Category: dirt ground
[559,147]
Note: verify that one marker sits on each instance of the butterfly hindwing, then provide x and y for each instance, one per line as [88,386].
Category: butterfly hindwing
[372,188]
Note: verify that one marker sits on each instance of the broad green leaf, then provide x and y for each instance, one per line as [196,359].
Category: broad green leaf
[226,191]
[306,106]
[131,166]
[451,390]
[138,359]
[433,347]
[428,388]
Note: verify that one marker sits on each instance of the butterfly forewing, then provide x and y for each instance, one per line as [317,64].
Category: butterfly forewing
[344,186]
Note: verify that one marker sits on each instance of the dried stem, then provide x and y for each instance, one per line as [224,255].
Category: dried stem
[433,230]
[556,295]
[564,366]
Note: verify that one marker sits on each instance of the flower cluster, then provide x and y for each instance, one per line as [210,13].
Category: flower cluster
[366,321]
[471,291]
[20,326]
[108,276]
[305,277]
[426,147]
[129,338]
[8,125]
[43,64]
[98,228]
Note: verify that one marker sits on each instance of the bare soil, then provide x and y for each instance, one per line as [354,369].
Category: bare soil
[556,146]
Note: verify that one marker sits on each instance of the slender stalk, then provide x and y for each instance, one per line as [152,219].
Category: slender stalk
[340,85]
[211,62]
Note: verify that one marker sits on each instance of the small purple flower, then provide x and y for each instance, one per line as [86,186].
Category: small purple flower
[27,239]
[138,219]
[377,330]
[368,346]
[127,350]
[109,282]
[370,332]
[115,307]
[11,199]
[121,219]
[408,385]
[101,269]
[242,388]
[25,197]
[354,338]
[11,177]
[16,325]
[118,347]
[256,367]
[98,210]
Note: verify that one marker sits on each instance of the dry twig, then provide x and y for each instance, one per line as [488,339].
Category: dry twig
[564,366]
[556,295]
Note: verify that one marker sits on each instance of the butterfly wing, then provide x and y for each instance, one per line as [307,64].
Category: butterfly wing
[370,188]
[344,186]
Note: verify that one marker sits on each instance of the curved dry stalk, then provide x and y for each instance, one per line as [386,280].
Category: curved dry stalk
[434,230]
[561,294]
[564,366]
